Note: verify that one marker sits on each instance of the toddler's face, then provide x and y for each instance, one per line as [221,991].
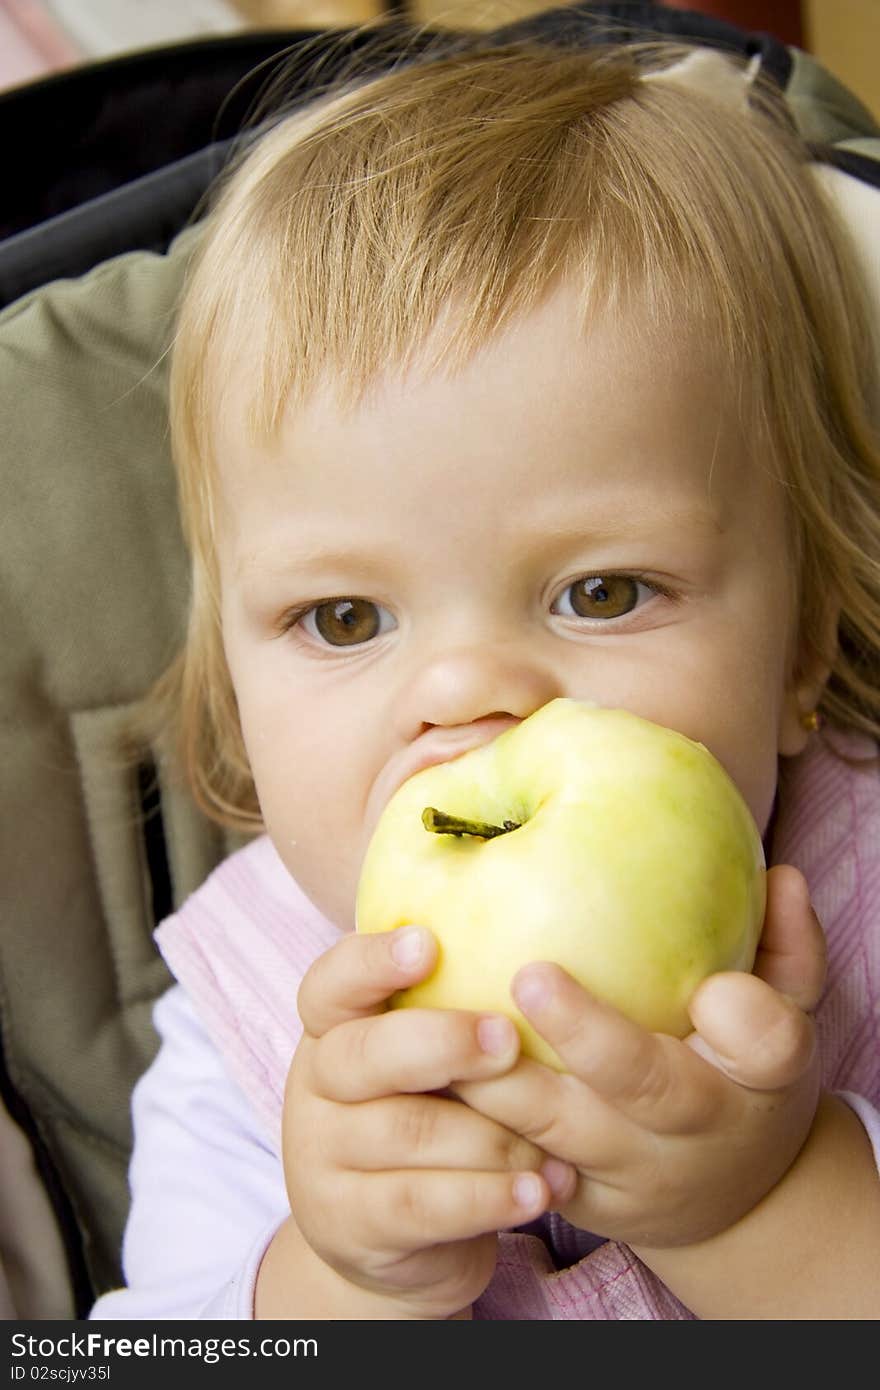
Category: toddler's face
[567,516]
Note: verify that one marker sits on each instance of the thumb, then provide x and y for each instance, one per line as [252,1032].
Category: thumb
[757,1037]
[791,952]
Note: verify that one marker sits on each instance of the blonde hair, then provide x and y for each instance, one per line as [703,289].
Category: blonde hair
[478,181]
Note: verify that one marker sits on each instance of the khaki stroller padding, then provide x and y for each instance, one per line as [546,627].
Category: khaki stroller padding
[92,596]
[96,847]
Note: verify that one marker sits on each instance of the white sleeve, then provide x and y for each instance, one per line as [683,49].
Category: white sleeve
[207,1189]
[869,1116]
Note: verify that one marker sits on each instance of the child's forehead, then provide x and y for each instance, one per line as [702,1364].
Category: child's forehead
[296,295]
[554,343]
[550,397]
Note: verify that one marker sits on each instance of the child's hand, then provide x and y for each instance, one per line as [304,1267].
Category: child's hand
[674,1141]
[398,1191]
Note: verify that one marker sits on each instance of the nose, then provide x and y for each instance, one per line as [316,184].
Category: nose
[476,681]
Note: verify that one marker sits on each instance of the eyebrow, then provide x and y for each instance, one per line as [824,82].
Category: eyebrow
[626,523]
[284,559]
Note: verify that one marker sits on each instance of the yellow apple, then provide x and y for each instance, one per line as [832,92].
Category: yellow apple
[619,849]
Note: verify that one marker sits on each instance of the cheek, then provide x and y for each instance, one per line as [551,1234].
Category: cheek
[755,771]
[728,697]
[745,747]
[742,732]
[311,800]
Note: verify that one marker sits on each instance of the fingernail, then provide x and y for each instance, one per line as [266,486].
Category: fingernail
[699,1045]
[496,1035]
[532,990]
[528,1192]
[408,946]
[558,1175]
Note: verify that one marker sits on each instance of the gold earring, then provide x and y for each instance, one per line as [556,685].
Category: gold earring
[811,720]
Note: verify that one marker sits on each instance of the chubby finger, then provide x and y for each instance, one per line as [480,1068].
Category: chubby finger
[411,1050]
[559,1114]
[425,1131]
[429,1207]
[360,973]
[755,1035]
[792,951]
[649,1078]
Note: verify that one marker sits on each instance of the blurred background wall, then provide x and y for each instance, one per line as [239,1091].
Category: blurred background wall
[845,36]
[38,36]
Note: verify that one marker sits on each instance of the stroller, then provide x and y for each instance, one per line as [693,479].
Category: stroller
[99,845]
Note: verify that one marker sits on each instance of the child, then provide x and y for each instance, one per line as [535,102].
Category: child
[520,373]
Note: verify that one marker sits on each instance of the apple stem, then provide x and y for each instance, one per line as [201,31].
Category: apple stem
[444,824]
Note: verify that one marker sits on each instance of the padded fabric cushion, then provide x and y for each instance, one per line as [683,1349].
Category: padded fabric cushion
[93,584]
[96,126]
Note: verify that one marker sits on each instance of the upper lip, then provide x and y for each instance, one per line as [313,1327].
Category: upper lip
[438,745]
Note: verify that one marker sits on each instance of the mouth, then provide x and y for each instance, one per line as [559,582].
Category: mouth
[438,745]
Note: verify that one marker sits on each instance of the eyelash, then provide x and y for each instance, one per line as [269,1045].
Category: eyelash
[655,587]
[294,617]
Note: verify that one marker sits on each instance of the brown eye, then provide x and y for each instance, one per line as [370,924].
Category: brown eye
[603,596]
[346,622]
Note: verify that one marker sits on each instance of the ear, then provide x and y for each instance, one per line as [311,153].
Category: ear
[810,672]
